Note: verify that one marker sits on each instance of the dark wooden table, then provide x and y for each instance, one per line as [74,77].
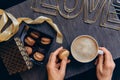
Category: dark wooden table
[71,28]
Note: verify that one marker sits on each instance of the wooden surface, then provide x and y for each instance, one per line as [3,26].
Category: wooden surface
[70,29]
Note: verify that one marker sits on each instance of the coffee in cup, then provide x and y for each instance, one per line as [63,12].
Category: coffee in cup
[85,48]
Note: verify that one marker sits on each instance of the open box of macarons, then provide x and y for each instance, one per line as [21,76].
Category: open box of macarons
[37,44]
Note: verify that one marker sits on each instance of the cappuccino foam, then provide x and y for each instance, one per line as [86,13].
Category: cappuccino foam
[84,48]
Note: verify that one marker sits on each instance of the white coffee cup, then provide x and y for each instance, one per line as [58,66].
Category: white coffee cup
[85,48]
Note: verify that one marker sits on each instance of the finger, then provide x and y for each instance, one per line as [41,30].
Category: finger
[63,65]
[100,62]
[58,65]
[96,62]
[52,59]
[107,55]
[54,54]
[68,61]
[57,60]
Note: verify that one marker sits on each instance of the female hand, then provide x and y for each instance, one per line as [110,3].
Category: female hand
[105,65]
[56,71]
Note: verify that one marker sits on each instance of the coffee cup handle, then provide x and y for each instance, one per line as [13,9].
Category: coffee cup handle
[100,52]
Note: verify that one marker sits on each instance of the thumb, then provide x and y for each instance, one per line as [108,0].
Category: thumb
[63,65]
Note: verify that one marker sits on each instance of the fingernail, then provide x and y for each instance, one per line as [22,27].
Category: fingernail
[61,47]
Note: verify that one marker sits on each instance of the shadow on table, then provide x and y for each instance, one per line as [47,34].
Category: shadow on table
[91,74]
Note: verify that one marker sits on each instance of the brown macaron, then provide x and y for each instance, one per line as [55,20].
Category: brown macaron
[29,41]
[29,50]
[38,56]
[63,54]
[35,34]
[45,40]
